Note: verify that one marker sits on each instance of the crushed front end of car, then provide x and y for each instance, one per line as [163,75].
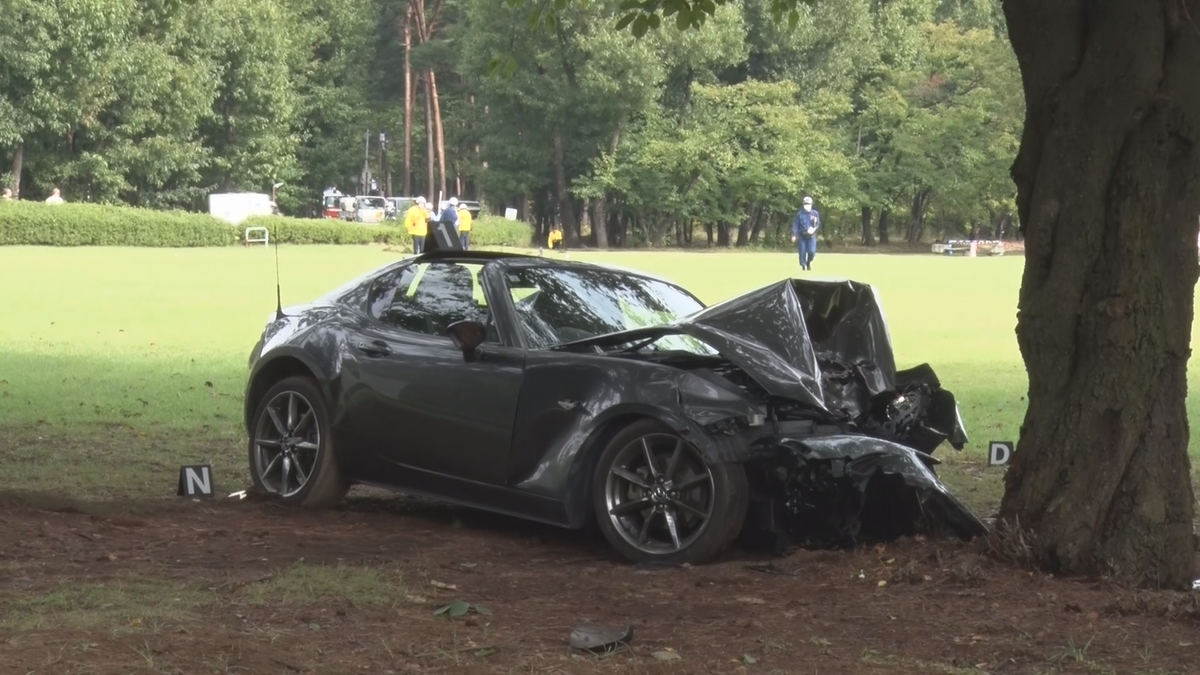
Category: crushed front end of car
[838,446]
[844,451]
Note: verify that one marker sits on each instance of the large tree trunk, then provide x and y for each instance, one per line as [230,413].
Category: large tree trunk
[437,128]
[1108,188]
[429,149]
[884,226]
[408,102]
[566,212]
[867,239]
[18,165]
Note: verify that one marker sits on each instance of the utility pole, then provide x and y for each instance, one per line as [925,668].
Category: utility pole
[383,164]
[366,172]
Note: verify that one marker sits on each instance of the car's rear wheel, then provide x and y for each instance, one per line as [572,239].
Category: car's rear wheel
[291,446]
[656,498]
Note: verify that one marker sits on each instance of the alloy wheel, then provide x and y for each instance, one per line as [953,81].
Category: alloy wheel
[659,493]
[286,440]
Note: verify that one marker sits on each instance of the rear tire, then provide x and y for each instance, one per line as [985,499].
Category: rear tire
[292,453]
[657,499]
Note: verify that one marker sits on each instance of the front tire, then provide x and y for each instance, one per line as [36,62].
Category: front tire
[292,455]
[658,500]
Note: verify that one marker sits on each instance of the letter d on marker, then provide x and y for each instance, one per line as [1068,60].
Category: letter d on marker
[999,452]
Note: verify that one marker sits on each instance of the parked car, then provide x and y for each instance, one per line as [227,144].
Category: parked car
[566,392]
[369,209]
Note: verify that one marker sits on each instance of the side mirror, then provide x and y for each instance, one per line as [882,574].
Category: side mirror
[467,336]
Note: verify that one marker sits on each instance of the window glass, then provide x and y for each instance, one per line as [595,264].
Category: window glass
[427,298]
[559,304]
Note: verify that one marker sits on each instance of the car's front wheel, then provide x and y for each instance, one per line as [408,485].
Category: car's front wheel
[291,446]
[656,498]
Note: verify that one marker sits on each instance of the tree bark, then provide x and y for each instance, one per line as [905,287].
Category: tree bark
[884,217]
[429,149]
[433,110]
[867,239]
[1108,188]
[408,102]
[916,219]
[437,127]
[566,212]
[743,230]
[18,165]
[599,218]
[761,219]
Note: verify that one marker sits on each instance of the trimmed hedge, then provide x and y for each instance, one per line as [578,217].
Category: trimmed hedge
[313,231]
[486,231]
[496,231]
[37,224]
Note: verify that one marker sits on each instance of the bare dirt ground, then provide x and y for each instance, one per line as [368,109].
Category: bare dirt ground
[245,587]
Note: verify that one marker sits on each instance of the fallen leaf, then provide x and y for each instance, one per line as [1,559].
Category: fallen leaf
[666,656]
[456,608]
[749,660]
[750,600]
[882,583]
[444,587]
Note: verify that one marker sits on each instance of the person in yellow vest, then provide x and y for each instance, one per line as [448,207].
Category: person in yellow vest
[554,239]
[416,223]
[464,226]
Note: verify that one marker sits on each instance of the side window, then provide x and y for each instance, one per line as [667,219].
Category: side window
[386,288]
[427,298]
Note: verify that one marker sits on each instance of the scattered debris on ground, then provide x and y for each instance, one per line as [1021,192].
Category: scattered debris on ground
[390,586]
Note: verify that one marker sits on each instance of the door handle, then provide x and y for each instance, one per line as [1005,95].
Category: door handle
[374,348]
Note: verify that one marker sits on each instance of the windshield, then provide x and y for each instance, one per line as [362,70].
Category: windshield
[558,304]
[370,202]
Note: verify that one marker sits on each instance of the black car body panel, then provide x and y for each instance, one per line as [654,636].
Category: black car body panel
[793,375]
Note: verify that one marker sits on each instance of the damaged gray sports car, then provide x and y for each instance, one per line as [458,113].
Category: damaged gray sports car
[569,393]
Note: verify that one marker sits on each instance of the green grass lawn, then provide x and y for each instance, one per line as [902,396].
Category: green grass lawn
[117,365]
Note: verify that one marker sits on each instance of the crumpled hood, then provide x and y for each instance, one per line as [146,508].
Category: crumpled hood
[775,334]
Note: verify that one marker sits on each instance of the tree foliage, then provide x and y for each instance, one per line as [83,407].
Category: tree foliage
[596,120]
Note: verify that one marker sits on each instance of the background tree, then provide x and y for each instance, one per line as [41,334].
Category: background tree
[168,104]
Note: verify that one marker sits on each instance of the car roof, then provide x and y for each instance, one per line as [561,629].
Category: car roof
[525,260]
[511,259]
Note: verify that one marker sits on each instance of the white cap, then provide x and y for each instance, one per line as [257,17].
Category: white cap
[454,201]
[420,200]
[808,200]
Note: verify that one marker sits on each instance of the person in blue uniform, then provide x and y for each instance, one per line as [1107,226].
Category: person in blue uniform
[804,233]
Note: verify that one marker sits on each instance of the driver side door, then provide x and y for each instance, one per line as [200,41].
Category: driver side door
[433,420]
